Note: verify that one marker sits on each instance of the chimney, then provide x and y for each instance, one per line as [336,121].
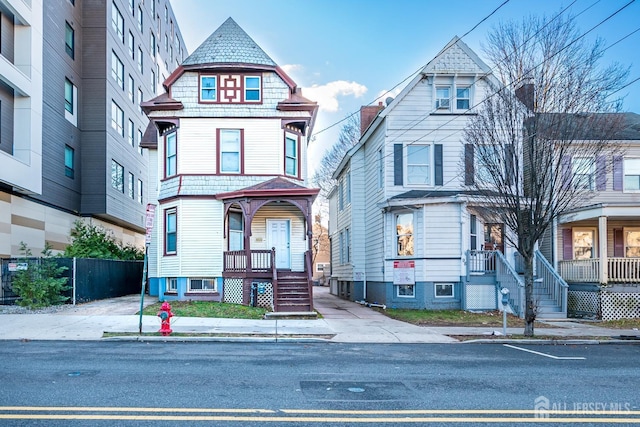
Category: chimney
[367,114]
[525,93]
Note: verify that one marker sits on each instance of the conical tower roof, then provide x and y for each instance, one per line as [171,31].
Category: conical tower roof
[229,44]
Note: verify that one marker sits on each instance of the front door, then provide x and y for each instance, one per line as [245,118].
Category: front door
[278,237]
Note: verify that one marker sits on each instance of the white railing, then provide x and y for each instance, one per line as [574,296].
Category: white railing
[619,270]
[481,262]
[506,277]
[550,281]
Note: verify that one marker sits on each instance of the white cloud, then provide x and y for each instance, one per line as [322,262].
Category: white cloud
[292,68]
[384,94]
[327,95]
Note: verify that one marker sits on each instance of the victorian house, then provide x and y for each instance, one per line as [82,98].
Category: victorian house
[233,220]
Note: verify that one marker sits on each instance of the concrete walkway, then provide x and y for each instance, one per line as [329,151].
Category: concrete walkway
[342,321]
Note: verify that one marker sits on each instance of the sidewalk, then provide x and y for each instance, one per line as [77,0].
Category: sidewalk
[342,321]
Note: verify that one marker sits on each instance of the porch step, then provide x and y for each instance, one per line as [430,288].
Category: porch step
[293,293]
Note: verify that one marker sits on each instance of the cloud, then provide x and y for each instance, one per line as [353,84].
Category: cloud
[384,94]
[292,68]
[327,95]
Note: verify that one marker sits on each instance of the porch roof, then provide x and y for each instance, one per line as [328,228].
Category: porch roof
[276,187]
[610,210]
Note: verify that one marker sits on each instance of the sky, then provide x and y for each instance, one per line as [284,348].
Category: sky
[348,53]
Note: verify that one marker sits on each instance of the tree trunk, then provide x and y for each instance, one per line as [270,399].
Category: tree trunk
[530,303]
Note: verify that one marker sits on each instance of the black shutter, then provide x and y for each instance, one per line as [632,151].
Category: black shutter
[437,154]
[397,164]
[468,164]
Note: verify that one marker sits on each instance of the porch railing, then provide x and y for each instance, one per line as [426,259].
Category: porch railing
[261,261]
[309,270]
[481,262]
[550,281]
[619,270]
[506,277]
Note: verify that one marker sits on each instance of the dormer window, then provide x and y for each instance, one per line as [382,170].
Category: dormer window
[208,86]
[442,98]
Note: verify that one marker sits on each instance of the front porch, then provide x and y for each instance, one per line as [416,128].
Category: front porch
[251,278]
[601,270]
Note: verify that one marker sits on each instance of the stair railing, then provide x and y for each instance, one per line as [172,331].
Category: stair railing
[309,270]
[506,277]
[274,279]
[550,281]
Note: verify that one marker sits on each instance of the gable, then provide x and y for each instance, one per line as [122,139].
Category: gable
[456,57]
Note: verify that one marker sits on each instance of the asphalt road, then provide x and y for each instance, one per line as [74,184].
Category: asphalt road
[288,384]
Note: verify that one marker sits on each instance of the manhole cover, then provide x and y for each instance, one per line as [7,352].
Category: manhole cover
[354,390]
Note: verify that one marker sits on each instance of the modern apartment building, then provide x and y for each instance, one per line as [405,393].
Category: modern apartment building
[72,76]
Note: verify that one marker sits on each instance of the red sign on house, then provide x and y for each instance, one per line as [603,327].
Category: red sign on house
[404,272]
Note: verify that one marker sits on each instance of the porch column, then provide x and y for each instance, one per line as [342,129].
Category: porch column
[602,248]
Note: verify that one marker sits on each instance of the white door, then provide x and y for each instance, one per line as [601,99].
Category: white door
[278,237]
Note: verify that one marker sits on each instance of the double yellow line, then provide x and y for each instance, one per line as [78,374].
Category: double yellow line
[316,415]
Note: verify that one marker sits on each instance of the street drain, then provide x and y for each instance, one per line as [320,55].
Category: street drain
[338,391]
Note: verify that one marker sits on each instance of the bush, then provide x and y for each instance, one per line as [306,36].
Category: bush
[40,285]
[92,241]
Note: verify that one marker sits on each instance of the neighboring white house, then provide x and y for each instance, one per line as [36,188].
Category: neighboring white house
[403,222]
[233,217]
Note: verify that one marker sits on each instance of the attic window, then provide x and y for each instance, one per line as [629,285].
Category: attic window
[442,97]
[208,85]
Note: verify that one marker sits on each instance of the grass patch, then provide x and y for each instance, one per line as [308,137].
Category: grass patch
[209,309]
[620,324]
[525,338]
[453,318]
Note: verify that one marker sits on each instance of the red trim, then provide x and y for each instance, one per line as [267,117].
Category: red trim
[164,169]
[268,193]
[298,156]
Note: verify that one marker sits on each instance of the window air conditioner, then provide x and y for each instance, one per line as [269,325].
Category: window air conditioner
[442,103]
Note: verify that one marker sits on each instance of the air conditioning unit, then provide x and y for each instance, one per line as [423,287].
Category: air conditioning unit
[442,103]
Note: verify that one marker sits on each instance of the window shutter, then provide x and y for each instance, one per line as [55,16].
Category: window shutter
[468,164]
[618,242]
[617,173]
[565,164]
[601,173]
[567,244]
[509,156]
[397,164]
[437,154]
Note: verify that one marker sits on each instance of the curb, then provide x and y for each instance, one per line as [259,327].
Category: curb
[549,341]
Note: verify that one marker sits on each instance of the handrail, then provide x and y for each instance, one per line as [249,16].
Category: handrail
[506,277]
[308,269]
[274,279]
[552,283]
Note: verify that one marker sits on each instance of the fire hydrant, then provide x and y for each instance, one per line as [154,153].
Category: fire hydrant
[165,316]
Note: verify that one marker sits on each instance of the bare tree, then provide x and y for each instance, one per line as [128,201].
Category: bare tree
[539,150]
[348,137]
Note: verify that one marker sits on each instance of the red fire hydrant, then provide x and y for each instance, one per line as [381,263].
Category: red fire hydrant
[165,316]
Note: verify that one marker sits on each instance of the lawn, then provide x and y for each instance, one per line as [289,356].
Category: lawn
[209,309]
[452,318]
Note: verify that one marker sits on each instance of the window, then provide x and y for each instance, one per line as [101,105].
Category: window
[631,174]
[583,173]
[140,20]
[170,231]
[200,285]
[341,194]
[252,88]
[166,42]
[131,133]
[404,234]
[139,141]
[131,89]
[462,98]
[473,233]
[291,156]
[171,155]
[140,60]
[442,97]
[69,40]
[170,53]
[172,284]
[152,44]
[348,186]
[140,96]
[166,15]
[153,81]
[345,246]
[131,7]
[117,22]
[117,176]
[208,88]
[153,7]
[632,243]
[418,164]
[444,290]
[405,291]
[117,70]
[117,118]
[131,188]
[583,243]
[236,231]
[68,96]
[321,267]
[230,142]
[69,155]
[380,169]
[140,193]
[131,45]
